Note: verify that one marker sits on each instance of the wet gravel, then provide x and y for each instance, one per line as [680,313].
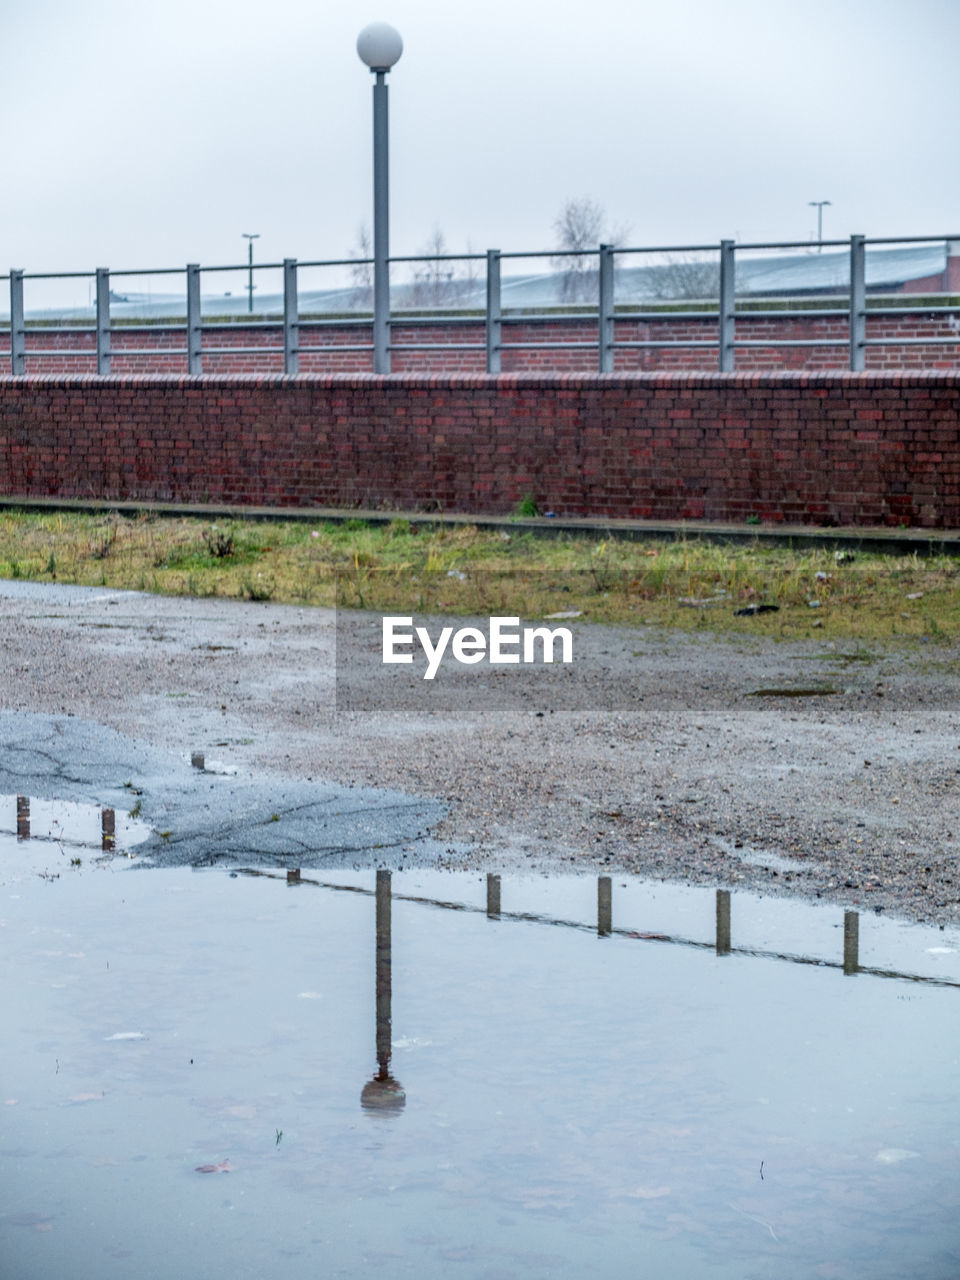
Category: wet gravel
[827,771]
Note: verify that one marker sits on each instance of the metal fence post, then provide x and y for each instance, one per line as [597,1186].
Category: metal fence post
[494,314]
[858,303]
[103,320]
[18,338]
[727,306]
[291,322]
[194,336]
[606,308]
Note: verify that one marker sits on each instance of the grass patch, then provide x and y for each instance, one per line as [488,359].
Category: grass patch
[462,570]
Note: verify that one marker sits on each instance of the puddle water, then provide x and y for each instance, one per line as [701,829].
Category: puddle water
[265,1073]
[72,829]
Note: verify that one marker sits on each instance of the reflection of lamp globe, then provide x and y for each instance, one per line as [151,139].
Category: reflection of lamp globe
[383,1095]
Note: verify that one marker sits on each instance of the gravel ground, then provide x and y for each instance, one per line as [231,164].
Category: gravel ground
[657,753]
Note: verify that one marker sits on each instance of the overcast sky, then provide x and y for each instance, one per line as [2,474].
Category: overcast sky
[156,133]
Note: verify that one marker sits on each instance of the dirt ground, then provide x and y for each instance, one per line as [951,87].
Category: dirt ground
[808,769]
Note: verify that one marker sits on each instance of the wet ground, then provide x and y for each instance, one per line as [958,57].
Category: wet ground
[658,758]
[245,1072]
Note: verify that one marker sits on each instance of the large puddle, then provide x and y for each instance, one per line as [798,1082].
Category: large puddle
[246,1074]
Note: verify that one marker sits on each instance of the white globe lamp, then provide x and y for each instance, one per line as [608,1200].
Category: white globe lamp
[379,46]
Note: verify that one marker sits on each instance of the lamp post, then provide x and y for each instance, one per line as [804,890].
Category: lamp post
[818,205]
[380,46]
[250,239]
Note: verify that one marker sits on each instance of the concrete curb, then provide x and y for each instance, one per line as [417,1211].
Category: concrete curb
[888,541]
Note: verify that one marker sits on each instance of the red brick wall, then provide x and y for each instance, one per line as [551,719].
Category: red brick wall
[152,350]
[821,448]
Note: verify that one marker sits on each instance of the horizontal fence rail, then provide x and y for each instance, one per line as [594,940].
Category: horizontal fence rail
[718,320]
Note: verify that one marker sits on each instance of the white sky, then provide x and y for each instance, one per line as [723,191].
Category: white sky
[155,133]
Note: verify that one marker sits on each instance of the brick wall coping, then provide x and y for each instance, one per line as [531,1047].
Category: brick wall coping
[504,381]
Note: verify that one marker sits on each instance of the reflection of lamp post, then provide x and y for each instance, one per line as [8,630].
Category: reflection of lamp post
[818,205]
[383,1094]
[250,239]
[380,46]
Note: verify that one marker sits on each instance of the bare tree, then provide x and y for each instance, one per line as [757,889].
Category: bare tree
[685,277]
[361,273]
[470,275]
[580,228]
[439,281]
[433,279]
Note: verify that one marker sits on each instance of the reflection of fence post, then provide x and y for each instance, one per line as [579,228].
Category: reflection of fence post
[103,320]
[18,337]
[851,941]
[858,303]
[108,830]
[493,897]
[723,922]
[23,817]
[606,308]
[604,907]
[194,336]
[494,314]
[291,323]
[727,306]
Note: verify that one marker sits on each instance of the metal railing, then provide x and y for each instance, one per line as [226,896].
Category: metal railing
[721,310]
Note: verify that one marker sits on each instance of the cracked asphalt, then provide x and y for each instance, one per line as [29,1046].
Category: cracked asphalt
[202,816]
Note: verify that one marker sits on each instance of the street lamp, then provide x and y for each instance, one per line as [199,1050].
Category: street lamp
[250,239]
[380,46]
[818,205]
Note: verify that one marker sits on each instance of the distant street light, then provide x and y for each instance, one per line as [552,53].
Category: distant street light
[250,239]
[818,205]
[380,46]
